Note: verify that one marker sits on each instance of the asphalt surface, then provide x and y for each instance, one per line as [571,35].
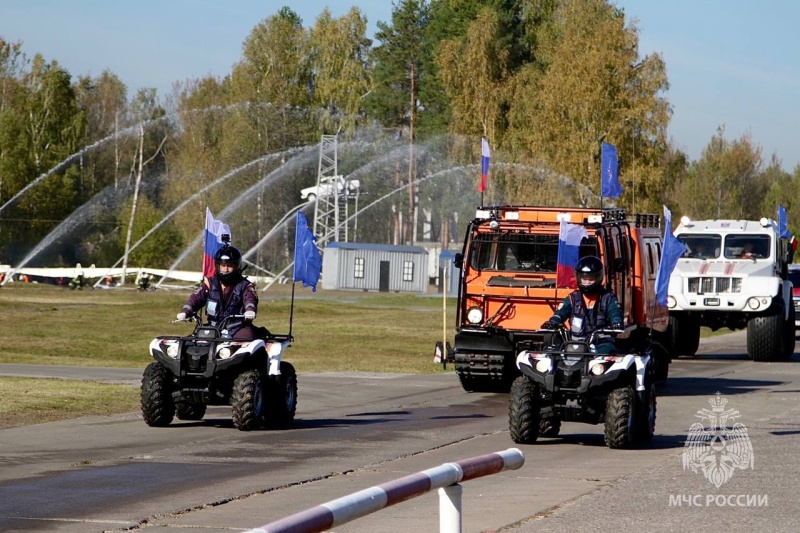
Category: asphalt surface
[354,431]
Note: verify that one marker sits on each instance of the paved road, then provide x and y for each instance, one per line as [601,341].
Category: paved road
[355,431]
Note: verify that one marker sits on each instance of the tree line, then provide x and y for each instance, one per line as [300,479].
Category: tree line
[545,81]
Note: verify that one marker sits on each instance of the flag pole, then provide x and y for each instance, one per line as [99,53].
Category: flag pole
[291,311]
[600,159]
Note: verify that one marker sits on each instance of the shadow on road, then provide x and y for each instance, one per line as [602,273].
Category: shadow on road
[659,442]
[693,386]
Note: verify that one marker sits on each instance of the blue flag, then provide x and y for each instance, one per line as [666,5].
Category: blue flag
[783,223]
[307,261]
[609,172]
[672,250]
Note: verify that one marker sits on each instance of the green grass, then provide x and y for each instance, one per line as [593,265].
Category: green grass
[333,330]
[32,401]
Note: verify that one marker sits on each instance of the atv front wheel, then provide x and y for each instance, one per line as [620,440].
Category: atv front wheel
[620,418]
[190,411]
[524,411]
[247,401]
[549,427]
[282,397]
[158,408]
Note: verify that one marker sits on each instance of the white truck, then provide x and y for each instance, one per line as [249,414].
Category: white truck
[330,186]
[733,274]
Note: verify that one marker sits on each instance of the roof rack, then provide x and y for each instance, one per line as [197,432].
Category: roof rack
[648,220]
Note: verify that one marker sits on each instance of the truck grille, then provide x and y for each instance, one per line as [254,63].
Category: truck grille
[706,285]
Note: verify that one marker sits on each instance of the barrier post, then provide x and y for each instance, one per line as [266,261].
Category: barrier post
[450,508]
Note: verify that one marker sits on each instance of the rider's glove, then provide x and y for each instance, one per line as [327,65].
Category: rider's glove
[551,324]
[616,325]
[249,315]
[181,316]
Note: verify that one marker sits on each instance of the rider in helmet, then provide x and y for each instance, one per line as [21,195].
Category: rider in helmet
[591,307]
[226,293]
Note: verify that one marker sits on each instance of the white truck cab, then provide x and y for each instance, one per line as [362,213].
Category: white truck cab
[733,274]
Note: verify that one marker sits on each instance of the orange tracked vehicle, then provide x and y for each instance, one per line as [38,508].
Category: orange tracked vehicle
[508,287]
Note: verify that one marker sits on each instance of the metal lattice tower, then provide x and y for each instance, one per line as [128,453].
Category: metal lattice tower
[335,194]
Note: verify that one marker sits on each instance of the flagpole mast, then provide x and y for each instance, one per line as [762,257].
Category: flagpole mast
[291,312]
[600,166]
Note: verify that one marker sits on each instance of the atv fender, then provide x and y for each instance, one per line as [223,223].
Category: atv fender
[274,353]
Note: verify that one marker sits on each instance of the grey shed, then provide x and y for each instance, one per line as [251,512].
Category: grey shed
[374,267]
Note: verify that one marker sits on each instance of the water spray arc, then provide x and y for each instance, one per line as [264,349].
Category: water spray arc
[189,200]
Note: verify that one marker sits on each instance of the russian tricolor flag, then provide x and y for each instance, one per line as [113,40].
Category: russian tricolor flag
[213,242]
[569,244]
[485,155]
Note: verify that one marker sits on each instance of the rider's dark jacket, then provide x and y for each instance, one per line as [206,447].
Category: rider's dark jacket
[221,301]
[605,312]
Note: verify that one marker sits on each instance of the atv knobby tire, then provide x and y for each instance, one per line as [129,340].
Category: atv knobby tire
[158,408]
[281,397]
[549,427]
[766,334]
[190,411]
[247,401]
[620,418]
[524,411]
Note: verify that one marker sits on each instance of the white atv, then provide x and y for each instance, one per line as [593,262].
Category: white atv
[570,381]
[733,274]
[208,367]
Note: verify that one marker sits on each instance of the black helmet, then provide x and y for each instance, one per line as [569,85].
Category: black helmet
[589,274]
[228,255]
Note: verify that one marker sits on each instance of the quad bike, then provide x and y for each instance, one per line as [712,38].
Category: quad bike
[209,367]
[570,381]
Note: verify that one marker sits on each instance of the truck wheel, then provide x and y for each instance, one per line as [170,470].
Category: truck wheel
[646,421]
[620,418]
[282,397]
[190,411]
[247,401]
[788,329]
[158,408]
[684,335]
[661,362]
[523,411]
[765,335]
[549,427]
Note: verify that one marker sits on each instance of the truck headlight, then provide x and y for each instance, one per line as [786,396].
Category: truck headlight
[475,315]
[753,303]
[671,302]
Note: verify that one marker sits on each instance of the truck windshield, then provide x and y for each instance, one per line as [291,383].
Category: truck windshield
[701,245]
[747,246]
[520,252]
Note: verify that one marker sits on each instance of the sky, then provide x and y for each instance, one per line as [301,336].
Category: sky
[730,63]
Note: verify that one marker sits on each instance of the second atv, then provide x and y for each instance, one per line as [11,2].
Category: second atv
[570,381]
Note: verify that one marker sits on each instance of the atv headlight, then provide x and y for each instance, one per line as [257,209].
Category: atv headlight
[543,365]
[171,349]
[224,353]
[598,369]
[475,315]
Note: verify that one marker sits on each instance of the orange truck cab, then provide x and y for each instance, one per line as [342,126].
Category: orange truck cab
[507,285]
